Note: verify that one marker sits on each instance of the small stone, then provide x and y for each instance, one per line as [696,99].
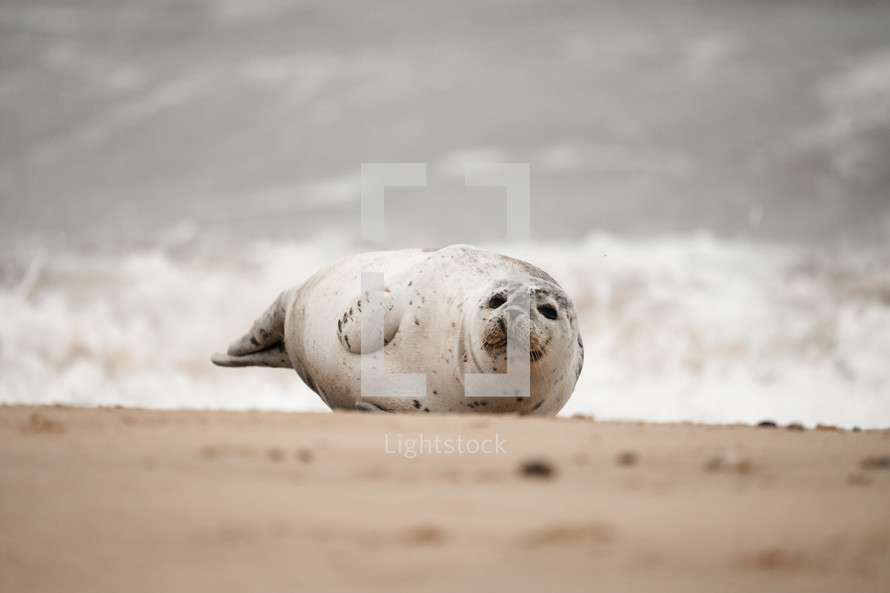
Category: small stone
[878,462]
[537,469]
[425,534]
[627,458]
[858,479]
[825,427]
[766,424]
[728,460]
[796,426]
[40,423]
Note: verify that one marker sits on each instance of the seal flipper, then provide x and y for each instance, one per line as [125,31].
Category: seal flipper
[276,356]
[266,331]
[263,345]
[369,407]
[349,324]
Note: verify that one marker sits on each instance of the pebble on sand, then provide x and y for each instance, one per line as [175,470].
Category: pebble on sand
[537,468]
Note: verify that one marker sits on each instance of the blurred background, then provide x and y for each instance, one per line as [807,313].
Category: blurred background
[710,182]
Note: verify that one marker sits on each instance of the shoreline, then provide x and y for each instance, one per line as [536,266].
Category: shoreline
[107,499]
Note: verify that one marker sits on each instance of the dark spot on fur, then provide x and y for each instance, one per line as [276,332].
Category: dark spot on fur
[426,409]
[538,405]
[435,392]
[253,341]
[519,399]
[346,339]
[340,325]
[410,283]
[417,404]
[416,321]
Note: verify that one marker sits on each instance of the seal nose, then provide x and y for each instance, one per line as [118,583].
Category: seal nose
[515,314]
[517,325]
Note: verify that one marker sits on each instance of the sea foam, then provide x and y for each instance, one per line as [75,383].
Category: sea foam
[681,328]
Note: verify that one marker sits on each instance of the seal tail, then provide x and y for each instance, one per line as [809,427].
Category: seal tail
[263,345]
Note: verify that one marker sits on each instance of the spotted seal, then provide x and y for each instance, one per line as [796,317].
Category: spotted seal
[446,315]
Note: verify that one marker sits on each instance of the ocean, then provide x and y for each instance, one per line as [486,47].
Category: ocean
[709,181]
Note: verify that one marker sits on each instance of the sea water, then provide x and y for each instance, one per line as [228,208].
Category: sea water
[675,328]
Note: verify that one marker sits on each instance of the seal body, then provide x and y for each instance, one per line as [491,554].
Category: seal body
[446,313]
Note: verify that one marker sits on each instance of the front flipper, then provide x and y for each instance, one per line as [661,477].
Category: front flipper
[368,407]
[349,325]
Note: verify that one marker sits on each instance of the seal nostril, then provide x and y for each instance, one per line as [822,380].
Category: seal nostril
[501,324]
[496,301]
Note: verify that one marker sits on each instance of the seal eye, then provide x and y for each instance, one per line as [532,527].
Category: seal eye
[496,301]
[547,311]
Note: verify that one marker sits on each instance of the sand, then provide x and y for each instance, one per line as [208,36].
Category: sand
[138,500]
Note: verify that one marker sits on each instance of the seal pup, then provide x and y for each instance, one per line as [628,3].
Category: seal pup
[446,314]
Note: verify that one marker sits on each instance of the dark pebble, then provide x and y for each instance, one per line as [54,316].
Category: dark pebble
[882,462]
[537,469]
[627,458]
[766,424]
[795,426]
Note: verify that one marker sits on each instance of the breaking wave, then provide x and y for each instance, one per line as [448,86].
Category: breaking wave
[682,328]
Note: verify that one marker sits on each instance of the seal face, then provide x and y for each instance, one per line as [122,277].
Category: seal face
[447,313]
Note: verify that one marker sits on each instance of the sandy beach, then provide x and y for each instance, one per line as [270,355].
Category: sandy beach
[139,500]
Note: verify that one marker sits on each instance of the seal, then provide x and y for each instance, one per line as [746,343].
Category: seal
[447,313]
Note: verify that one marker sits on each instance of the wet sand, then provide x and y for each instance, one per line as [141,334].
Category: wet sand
[138,500]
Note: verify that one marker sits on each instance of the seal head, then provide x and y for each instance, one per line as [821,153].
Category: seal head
[526,323]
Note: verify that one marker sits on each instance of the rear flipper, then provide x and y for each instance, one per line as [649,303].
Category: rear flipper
[276,356]
[263,345]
